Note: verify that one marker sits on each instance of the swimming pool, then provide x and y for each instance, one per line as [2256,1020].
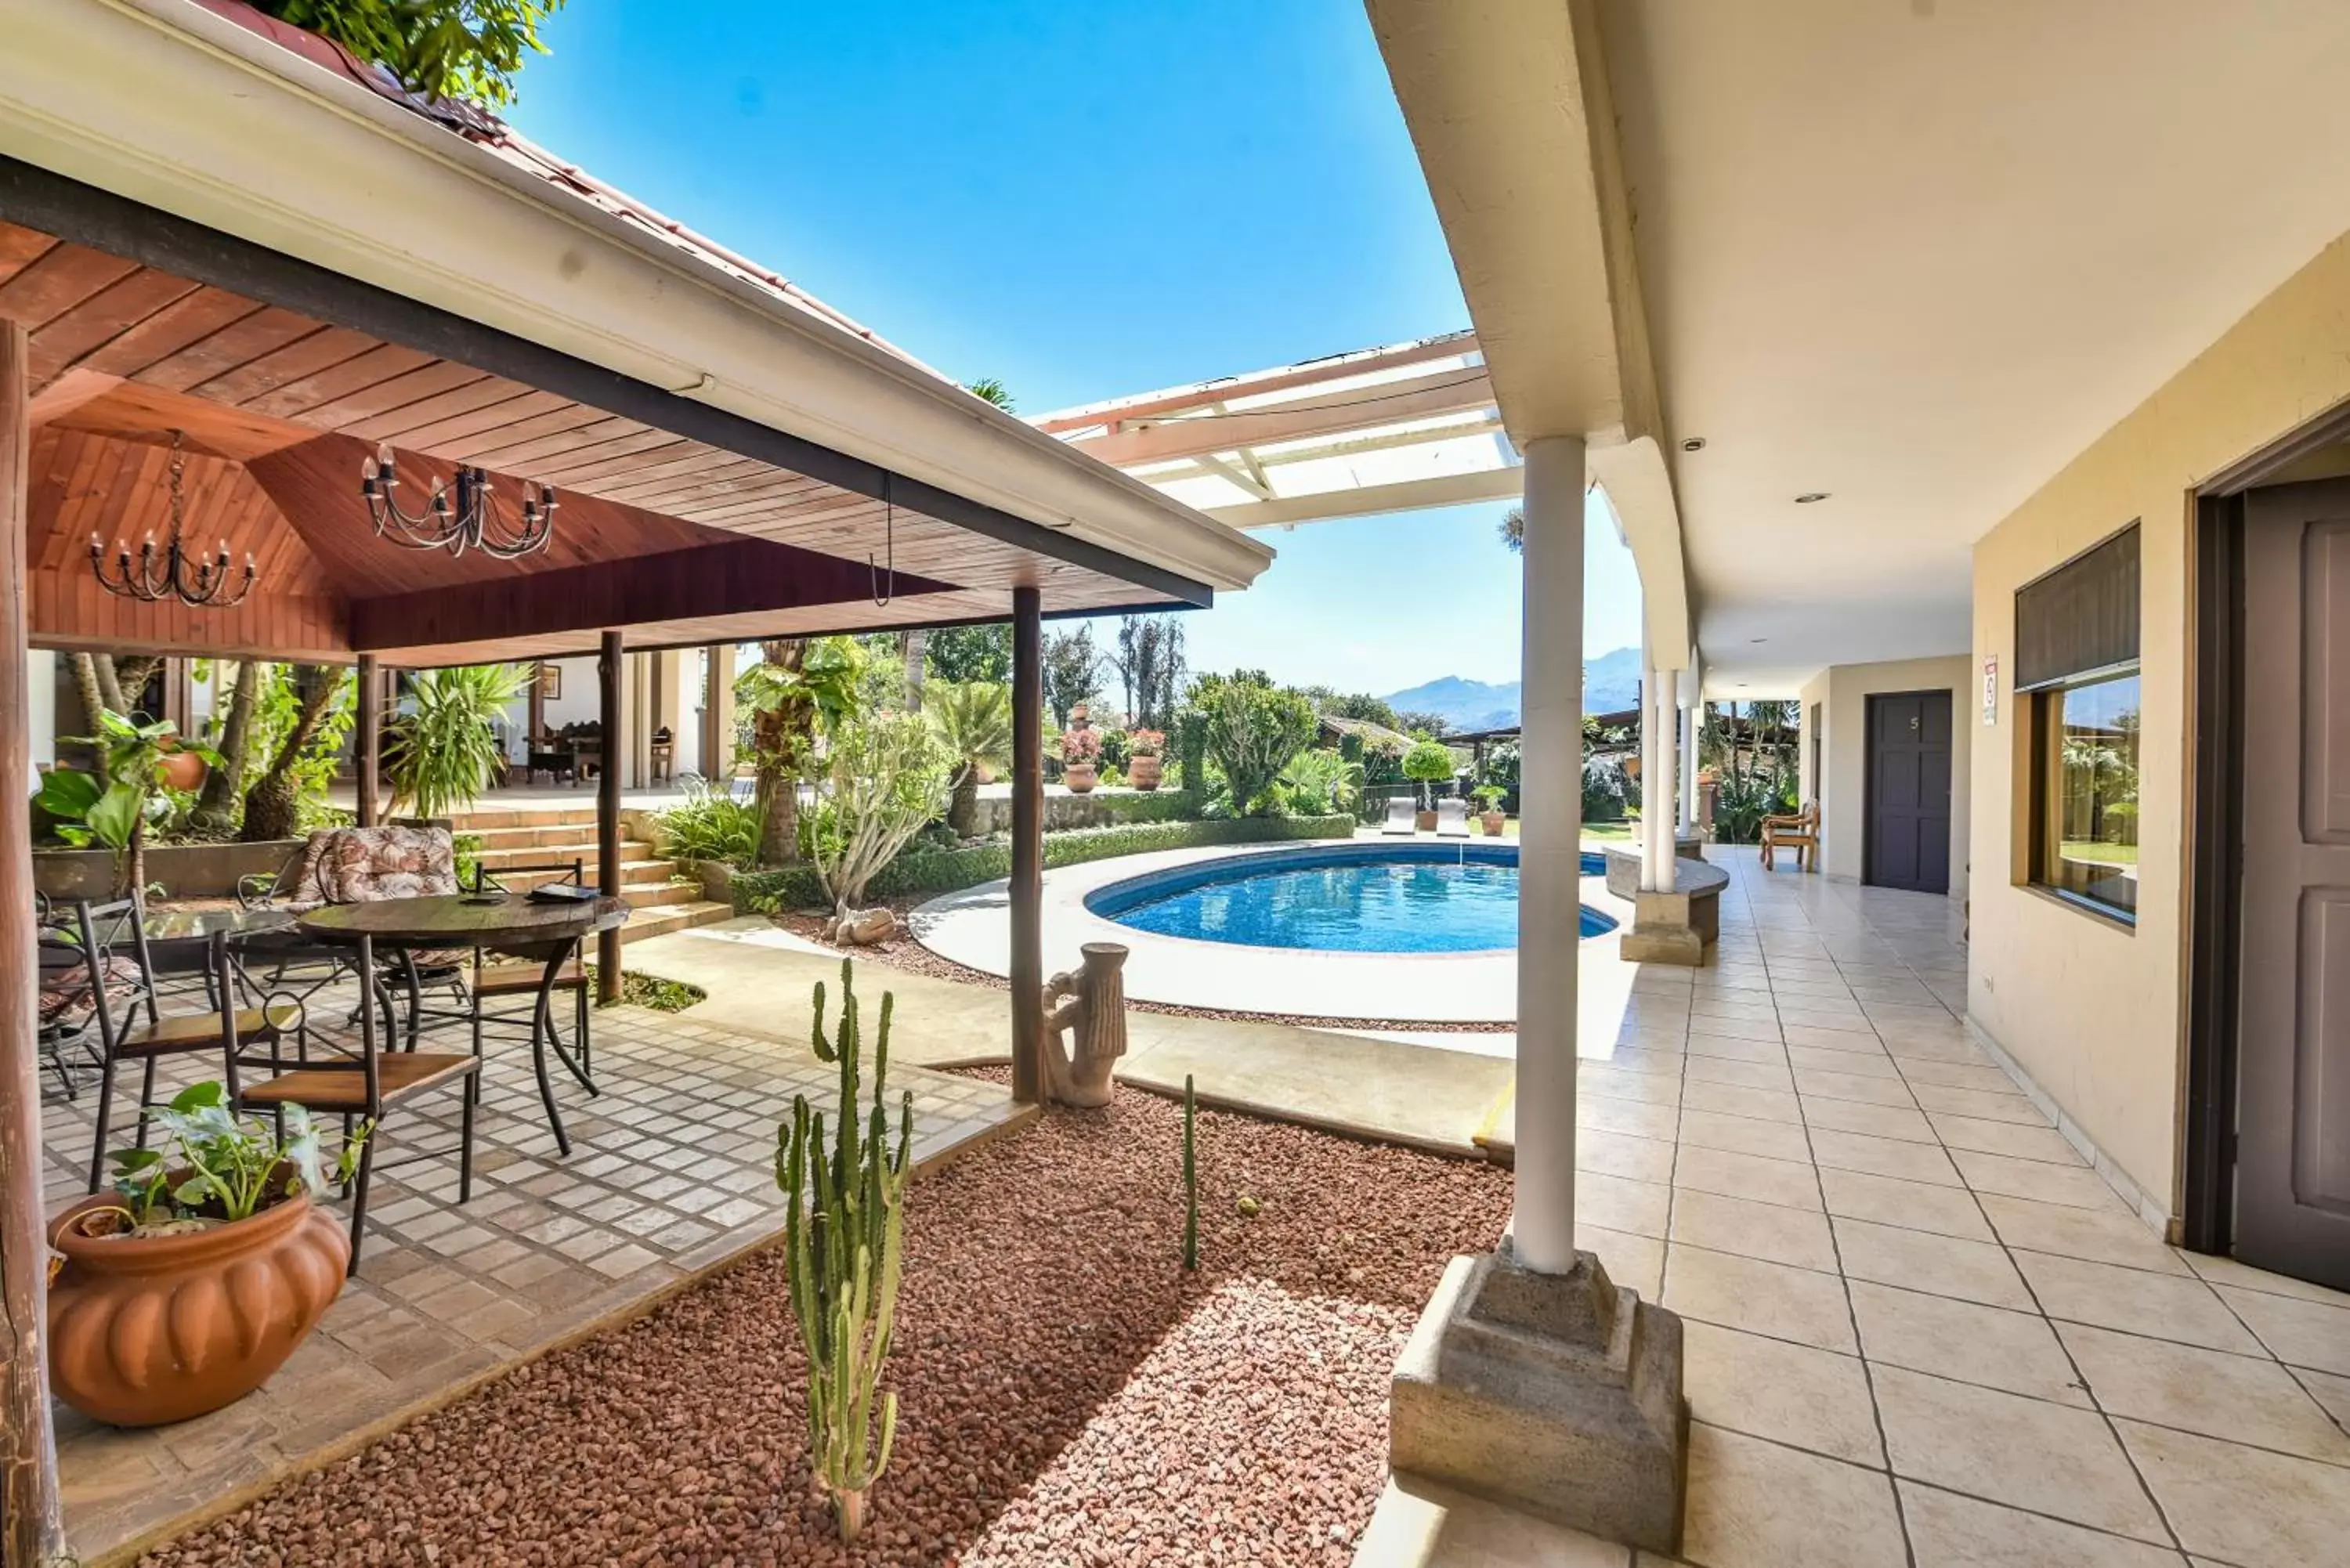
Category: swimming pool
[1418,897]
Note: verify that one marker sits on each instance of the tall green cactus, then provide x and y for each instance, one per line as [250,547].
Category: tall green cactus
[1190,1180]
[844,1231]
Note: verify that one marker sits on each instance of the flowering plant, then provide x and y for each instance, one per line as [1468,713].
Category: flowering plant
[1146,742]
[1080,747]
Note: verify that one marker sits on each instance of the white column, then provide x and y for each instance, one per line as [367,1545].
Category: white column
[1689,761]
[1549,854]
[1668,781]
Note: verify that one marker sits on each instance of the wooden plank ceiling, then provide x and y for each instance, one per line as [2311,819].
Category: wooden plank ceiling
[689,542]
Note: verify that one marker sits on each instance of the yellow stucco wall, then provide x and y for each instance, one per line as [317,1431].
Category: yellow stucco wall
[2095,1011]
[1841,692]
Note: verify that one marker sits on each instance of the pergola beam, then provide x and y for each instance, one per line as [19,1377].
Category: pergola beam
[1374,500]
[1444,392]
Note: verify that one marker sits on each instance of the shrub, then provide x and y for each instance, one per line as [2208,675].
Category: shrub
[1321,783]
[1739,804]
[447,747]
[710,825]
[921,870]
[1251,728]
[888,778]
[1428,763]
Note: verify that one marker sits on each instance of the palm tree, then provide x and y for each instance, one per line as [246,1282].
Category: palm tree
[974,720]
[448,745]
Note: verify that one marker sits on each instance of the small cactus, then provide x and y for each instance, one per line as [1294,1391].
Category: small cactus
[843,1232]
[1190,1179]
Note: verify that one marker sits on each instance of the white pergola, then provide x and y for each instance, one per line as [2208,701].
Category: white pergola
[1401,427]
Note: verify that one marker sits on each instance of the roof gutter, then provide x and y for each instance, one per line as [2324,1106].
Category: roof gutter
[164,103]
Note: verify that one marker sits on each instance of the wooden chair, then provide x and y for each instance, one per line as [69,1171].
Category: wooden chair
[663,766]
[364,1085]
[1799,832]
[105,931]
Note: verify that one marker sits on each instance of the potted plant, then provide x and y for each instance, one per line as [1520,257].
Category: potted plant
[1144,748]
[189,1284]
[1490,797]
[1080,759]
[113,807]
[1428,763]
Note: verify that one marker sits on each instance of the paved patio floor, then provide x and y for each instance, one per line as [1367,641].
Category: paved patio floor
[1920,1328]
[671,1173]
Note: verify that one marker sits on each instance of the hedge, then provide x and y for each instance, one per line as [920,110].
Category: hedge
[918,870]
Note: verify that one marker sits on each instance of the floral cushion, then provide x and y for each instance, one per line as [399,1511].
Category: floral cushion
[66,995]
[362,865]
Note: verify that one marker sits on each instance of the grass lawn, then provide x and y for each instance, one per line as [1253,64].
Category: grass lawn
[2102,854]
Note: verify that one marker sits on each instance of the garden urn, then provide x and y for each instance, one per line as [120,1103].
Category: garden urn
[150,1330]
[183,769]
[1424,820]
[1080,777]
[1143,772]
[1494,822]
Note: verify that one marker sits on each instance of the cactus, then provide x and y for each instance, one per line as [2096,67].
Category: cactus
[1190,1180]
[844,1228]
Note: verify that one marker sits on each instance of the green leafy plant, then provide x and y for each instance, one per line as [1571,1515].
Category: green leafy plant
[974,722]
[1251,729]
[1190,1178]
[1490,795]
[118,805]
[710,823]
[1428,763]
[888,777]
[449,744]
[1322,783]
[468,49]
[844,1238]
[226,1168]
[798,686]
[1741,802]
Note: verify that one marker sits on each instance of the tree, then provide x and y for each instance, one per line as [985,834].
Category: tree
[1071,671]
[1359,705]
[1422,722]
[467,50]
[1251,728]
[1514,530]
[220,805]
[973,721]
[988,389]
[888,778]
[797,682]
[1428,763]
[1149,664]
[961,653]
[304,718]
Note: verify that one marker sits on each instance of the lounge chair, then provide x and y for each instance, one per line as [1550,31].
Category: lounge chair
[1400,813]
[1452,817]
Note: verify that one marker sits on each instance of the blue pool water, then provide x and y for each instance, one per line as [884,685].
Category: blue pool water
[1359,897]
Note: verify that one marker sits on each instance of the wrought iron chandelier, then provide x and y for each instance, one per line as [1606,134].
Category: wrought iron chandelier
[175,573]
[476,520]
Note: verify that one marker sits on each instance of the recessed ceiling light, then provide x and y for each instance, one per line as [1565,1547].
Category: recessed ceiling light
[1809,496]
[1694,443]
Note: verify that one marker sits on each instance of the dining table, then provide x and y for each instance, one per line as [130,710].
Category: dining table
[548,931]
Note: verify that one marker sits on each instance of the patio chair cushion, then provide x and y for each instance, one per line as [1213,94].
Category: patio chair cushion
[362,865]
[66,992]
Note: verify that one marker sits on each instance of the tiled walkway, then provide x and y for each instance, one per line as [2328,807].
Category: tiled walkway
[671,1170]
[1919,1329]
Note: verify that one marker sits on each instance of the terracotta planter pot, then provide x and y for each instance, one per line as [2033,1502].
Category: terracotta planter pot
[183,770]
[1424,820]
[1080,777]
[144,1331]
[1494,822]
[1144,772]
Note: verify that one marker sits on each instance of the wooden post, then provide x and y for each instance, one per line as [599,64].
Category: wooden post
[31,1528]
[537,706]
[608,672]
[718,718]
[369,728]
[1027,844]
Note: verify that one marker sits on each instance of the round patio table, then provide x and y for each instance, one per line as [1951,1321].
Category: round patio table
[513,924]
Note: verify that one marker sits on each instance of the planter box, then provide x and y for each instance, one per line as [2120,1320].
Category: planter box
[186,871]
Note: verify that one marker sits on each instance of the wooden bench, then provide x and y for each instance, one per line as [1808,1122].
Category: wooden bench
[1799,832]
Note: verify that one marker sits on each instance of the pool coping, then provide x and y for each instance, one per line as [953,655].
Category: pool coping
[971,928]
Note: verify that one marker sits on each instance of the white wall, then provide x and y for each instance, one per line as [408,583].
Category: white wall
[1842,692]
[41,720]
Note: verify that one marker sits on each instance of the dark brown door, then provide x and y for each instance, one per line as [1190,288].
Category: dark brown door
[2292,1126]
[1908,835]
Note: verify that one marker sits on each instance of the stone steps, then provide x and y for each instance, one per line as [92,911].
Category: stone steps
[660,919]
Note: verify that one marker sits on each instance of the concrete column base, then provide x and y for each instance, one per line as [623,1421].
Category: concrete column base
[1556,1395]
[1668,928]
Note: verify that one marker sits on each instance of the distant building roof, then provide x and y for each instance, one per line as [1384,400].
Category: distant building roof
[1369,734]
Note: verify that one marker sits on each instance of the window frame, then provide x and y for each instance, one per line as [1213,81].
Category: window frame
[2045,718]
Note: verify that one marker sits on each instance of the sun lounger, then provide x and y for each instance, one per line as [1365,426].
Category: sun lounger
[1399,815]
[1452,817]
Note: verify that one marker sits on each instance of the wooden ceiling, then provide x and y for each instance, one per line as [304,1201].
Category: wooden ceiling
[276,411]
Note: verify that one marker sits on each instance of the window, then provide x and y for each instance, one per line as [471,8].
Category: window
[2086,815]
[2076,640]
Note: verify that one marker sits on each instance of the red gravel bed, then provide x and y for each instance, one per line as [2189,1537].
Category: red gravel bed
[902,951]
[1069,1395]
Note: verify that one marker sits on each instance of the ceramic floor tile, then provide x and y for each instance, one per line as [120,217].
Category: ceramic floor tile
[1757,1504]
[1858,1117]
[1722,1070]
[2161,1306]
[2013,1351]
[1770,1299]
[1914,1205]
[1997,1105]
[2242,1398]
[1740,1100]
[2100,1235]
[1767,1230]
[1814,1083]
[1947,1530]
[2227,1271]
[2244,1505]
[1635,1262]
[1739,1134]
[1872,1063]
[1740,1048]
[1921,1261]
[1814,1399]
[2014,1139]
[1638,1206]
[1733,1175]
[2304,1333]
[2026,1453]
[1958,1076]
[1620,1154]
[2069,1187]
[1896,1158]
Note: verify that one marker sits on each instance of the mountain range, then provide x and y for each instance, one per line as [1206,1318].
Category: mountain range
[1611,683]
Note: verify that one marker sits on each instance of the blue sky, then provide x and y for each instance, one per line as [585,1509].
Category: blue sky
[1084,200]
